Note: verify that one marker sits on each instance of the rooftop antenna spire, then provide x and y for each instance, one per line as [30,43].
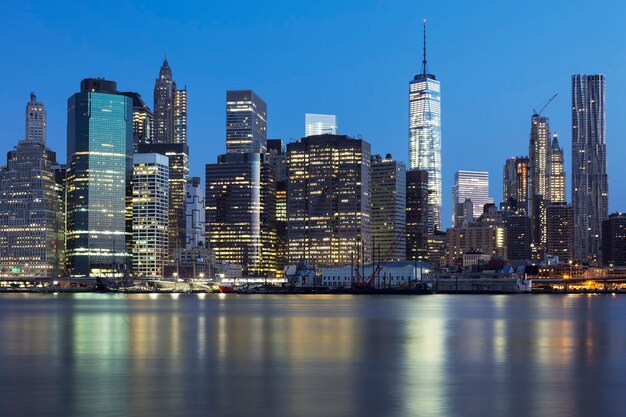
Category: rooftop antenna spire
[424,61]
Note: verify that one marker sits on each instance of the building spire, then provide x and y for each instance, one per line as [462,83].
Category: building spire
[424,69]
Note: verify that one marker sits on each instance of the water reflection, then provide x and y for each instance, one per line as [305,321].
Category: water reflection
[157,355]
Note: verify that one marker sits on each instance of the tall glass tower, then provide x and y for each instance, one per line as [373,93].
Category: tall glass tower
[590,188]
[425,133]
[99,151]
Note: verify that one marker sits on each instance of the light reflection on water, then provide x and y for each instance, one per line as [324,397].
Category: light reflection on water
[228,355]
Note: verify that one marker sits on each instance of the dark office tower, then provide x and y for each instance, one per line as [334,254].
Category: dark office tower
[143,121]
[539,153]
[277,159]
[515,183]
[614,240]
[388,217]
[328,200]
[240,212]
[418,228]
[178,154]
[517,236]
[99,152]
[31,226]
[246,122]
[560,231]
[425,133]
[60,187]
[556,173]
[590,188]
[164,109]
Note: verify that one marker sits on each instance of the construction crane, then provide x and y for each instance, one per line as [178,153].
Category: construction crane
[538,113]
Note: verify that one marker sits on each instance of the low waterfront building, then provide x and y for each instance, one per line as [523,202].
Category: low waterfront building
[390,275]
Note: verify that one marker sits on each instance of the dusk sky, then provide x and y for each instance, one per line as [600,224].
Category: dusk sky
[496,62]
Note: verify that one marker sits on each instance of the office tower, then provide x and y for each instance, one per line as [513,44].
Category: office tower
[515,183]
[473,185]
[164,107]
[328,200]
[35,121]
[488,239]
[60,187]
[560,231]
[518,240]
[178,155]
[320,124]
[31,218]
[180,116]
[143,121]
[463,213]
[99,153]
[150,214]
[556,173]
[417,215]
[539,150]
[240,212]
[614,240]
[590,189]
[388,216]
[195,214]
[246,122]
[277,159]
[425,133]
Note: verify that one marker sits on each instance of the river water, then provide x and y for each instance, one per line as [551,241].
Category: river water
[312,355]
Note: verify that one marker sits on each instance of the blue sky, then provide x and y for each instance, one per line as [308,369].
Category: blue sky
[496,61]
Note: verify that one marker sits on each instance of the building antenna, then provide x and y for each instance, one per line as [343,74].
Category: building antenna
[424,61]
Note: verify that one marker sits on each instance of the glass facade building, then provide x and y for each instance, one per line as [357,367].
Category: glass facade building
[515,184]
[417,224]
[425,134]
[99,151]
[320,124]
[590,184]
[143,121]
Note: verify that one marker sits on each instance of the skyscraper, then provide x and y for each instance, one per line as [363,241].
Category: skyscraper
[388,217]
[178,155]
[240,212]
[425,133]
[164,106]
[320,124]
[277,159]
[150,214]
[614,240]
[99,152]
[36,123]
[180,116]
[31,216]
[246,122]
[473,185]
[328,200]
[417,208]
[196,214]
[143,121]
[590,188]
[560,231]
[515,183]
[556,173]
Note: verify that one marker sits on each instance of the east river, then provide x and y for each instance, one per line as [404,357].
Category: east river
[312,355]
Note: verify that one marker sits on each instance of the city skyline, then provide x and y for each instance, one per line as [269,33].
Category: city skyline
[382,122]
